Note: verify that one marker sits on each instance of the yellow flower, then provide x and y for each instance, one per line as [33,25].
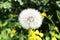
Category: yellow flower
[36,32]
[53,38]
[30,38]
[12,35]
[31,31]
[43,14]
[56,29]
[41,34]
[38,38]
[13,32]
[33,36]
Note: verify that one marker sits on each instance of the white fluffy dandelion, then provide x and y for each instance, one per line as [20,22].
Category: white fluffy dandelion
[30,18]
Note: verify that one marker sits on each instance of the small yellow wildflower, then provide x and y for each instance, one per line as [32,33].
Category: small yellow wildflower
[41,34]
[36,32]
[53,38]
[13,32]
[33,36]
[12,35]
[56,29]
[43,14]
[30,38]
[38,38]
[31,32]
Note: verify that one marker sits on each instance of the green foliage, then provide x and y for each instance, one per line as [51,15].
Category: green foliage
[58,3]
[20,1]
[21,37]
[5,5]
[5,34]
[9,12]
[47,38]
[58,15]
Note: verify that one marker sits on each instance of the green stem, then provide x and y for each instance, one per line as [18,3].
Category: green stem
[50,27]
[58,16]
[52,22]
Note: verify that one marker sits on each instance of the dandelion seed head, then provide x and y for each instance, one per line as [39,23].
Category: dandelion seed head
[30,18]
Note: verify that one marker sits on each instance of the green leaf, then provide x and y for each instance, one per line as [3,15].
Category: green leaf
[47,38]
[21,37]
[54,34]
[5,34]
[49,17]
[59,36]
[37,2]
[58,15]
[0,23]
[6,31]
[58,3]
[5,23]
[5,5]
[21,2]
[50,27]
[17,24]
[45,1]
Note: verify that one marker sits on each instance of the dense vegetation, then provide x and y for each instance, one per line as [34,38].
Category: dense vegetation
[10,28]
